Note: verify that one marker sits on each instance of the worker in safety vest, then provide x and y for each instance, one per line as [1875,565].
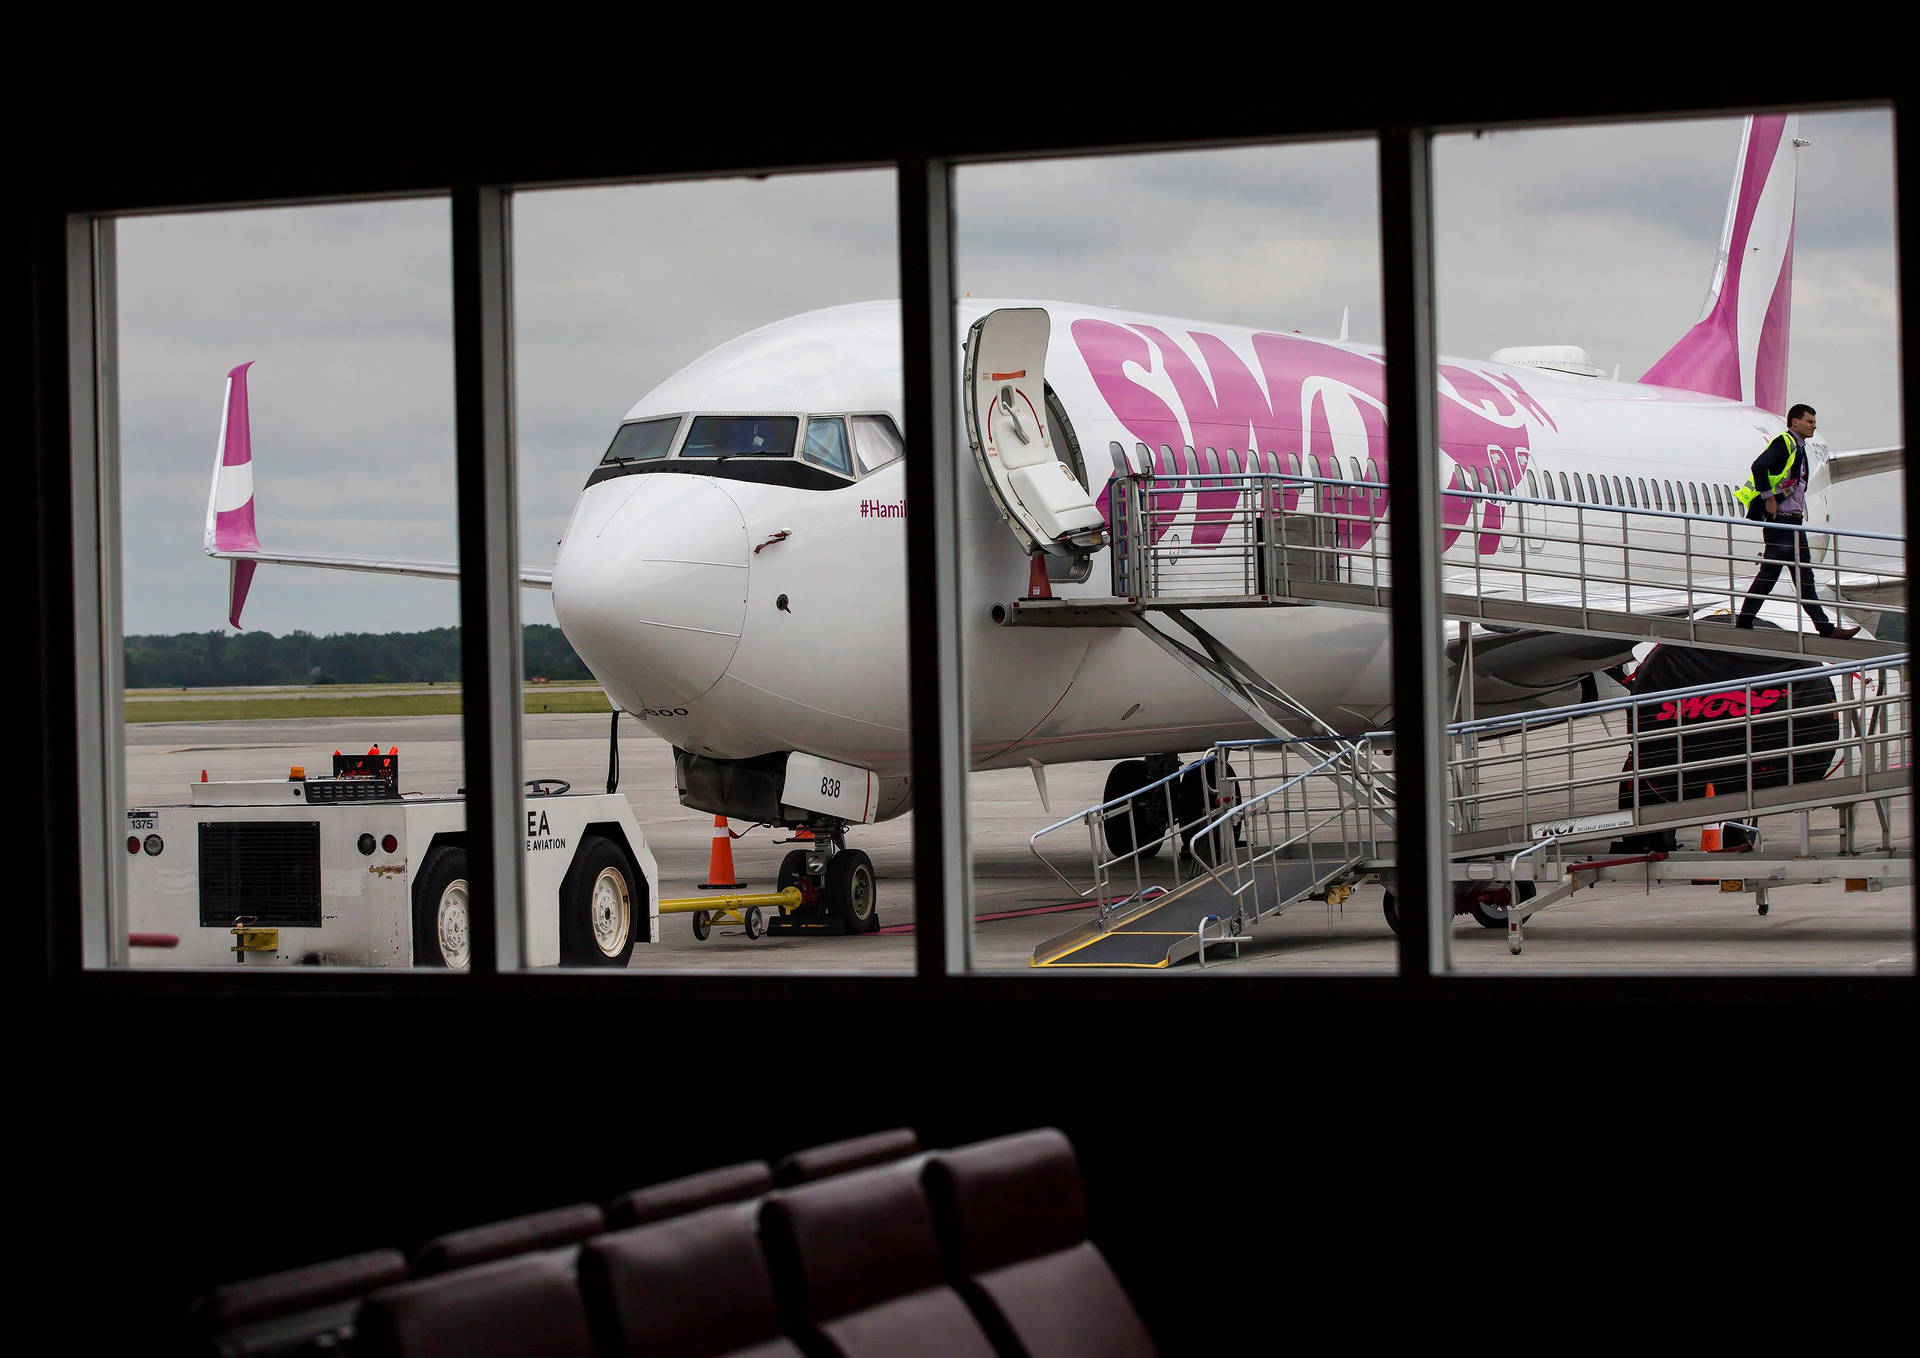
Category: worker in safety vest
[1775,496]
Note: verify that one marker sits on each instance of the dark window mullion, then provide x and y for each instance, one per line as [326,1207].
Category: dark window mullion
[489,571]
[1413,496]
[937,687]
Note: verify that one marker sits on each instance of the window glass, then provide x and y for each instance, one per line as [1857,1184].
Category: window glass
[348,310]
[1606,491]
[1593,489]
[652,605]
[1633,499]
[741,436]
[875,441]
[643,440]
[1566,491]
[1619,492]
[1113,770]
[1373,471]
[827,444]
[1643,493]
[1533,484]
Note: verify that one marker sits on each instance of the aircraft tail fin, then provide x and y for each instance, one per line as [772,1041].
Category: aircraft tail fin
[230,526]
[1738,347]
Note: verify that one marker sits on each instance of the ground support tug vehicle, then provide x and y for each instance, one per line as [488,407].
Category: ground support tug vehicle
[345,870]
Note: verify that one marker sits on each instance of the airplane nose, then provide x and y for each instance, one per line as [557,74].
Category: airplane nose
[651,587]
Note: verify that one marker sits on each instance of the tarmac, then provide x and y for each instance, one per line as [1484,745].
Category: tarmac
[1017,903]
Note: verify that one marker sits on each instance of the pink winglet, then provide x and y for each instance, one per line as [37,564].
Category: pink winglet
[1738,347]
[233,527]
[237,590]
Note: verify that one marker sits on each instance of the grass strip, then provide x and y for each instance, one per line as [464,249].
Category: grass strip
[391,705]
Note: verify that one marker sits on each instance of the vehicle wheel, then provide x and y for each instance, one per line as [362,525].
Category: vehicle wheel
[1391,909]
[1149,819]
[702,925]
[752,919]
[793,872]
[440,910]
[1488,904]
[599,902]
[849,891]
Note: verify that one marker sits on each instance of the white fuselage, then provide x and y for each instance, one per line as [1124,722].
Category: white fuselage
[738,618]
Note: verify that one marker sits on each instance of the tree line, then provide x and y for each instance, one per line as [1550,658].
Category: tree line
[220,659]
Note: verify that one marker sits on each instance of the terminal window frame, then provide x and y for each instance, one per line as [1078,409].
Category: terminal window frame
[1403,295]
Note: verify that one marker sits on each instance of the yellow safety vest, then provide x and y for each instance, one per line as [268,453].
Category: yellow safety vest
[1748,493]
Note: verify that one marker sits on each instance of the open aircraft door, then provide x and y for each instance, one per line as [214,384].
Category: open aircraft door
[1025,467]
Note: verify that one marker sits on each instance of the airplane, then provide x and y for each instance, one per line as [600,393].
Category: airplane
[733,571]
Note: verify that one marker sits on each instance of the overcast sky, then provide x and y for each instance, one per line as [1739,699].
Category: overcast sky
[1599,237]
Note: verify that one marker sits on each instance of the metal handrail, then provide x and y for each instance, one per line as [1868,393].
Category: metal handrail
[1680,559]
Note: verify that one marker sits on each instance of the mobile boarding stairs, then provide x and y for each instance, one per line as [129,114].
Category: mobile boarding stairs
[1534,800]
[1310,812]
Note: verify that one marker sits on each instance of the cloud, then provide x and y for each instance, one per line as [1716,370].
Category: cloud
[1602,237]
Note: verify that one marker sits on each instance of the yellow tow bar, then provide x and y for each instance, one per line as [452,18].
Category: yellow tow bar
[742,909]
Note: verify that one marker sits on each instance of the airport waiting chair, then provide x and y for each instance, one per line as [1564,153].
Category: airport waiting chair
[547,1230]
[281,1312]
[694,1193]
[524,1307]
[858,1267]
[1011,1214]
[844,1157]
[694,1286]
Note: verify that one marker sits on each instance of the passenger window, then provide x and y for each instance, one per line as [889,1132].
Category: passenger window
[1354,464]
[1643,493]
[1211,461]
[1373,471]
[827,445]
[1533,484]
[1566,492]
[1293,464]
[1619,493]
[1606,492]
[875,441]
[1632,500]
[1695,488]
[1593,490]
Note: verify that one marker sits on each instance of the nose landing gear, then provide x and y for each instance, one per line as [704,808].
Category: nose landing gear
[837,885]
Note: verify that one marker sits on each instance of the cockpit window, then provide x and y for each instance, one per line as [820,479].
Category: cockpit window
[642,441]
[827,444]
[741,436]
[876,441]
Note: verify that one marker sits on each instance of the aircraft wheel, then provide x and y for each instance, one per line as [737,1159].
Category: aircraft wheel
[1149,817]
[1197,799]
[702,925]
[1391,909]
[849,891]
[751,917]
[793,872]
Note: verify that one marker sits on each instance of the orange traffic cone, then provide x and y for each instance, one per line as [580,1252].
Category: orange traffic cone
[1710,834]
[720,861]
